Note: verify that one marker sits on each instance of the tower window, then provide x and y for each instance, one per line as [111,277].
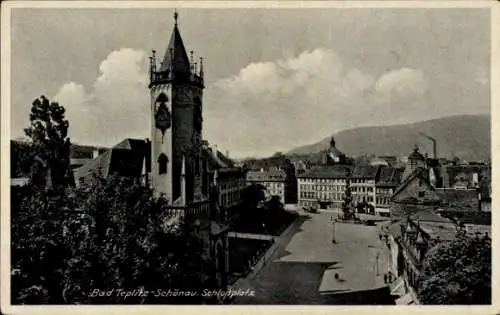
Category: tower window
[162,164]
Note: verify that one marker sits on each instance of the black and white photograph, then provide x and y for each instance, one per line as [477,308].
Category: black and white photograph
[204,153]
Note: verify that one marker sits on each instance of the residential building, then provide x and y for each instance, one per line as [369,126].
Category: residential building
[389,179]
[323,186]
[272,180]
[409,239]
[229,179]
[363,180]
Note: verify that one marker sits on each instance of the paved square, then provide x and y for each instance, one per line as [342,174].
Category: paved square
[307,264]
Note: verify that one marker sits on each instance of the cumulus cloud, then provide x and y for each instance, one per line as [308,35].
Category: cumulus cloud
[277,105]
[116,105]
[266,107]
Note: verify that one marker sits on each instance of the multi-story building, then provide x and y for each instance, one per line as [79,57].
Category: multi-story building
[409,240]
[272,180]
[389,179]
[229,179]
[363,181]
[323,186]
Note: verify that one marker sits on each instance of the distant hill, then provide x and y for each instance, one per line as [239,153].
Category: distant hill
[467,137]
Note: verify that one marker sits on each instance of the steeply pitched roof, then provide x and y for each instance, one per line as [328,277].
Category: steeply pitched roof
[434,225]
[327,172]
[175,55]
[421,173]
[125,159]
[365,171]
[217,159]
[390,176]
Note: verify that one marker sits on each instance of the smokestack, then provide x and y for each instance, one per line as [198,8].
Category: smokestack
[227,153]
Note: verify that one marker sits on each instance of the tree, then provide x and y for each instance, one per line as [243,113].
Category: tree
[253,195]
[274,203]
[109,234]
[49,155]
[457,272]
[121,242]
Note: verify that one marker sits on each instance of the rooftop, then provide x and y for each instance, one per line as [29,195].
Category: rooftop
[458,199]
[366,171]
[266,176]
[327,172]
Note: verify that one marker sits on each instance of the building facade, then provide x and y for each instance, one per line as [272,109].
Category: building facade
[389,179]
[272,180]
[323,186]
[363,180]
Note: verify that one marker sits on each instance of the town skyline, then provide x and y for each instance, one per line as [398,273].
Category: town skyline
[326,82]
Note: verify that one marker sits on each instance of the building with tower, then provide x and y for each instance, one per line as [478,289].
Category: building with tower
[333,156]
[200,183]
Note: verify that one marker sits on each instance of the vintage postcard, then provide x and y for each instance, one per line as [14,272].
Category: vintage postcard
[167,155]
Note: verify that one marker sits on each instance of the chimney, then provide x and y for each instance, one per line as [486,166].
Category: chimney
[227,153]
[214,149]
[95,153]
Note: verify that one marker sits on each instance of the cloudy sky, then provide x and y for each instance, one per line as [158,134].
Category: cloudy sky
[276,78]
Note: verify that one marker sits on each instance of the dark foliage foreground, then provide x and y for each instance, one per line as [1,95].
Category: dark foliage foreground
[458,272]
[78,245]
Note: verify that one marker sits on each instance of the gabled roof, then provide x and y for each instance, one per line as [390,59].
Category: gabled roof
[420,173]
[390,176]
[175,55]
[125,159]
[365,171]
[216,159]
[327,172]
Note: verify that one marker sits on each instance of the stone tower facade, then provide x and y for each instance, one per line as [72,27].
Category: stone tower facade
[176,87]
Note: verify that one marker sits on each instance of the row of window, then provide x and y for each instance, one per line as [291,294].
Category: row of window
[383,201]
[323,196]
[362,189]
[381,191]
[274,185]
[362,181]
[321,181]
[363,198]
[321,188]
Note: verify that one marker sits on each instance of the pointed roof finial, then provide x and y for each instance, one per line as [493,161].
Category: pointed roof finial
[176,16]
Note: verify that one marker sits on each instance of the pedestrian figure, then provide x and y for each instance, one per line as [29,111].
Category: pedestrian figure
[385,278]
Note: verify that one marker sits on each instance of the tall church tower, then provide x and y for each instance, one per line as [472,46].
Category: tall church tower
[176,86]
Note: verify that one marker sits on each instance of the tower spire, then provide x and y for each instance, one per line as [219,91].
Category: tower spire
[176,59]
